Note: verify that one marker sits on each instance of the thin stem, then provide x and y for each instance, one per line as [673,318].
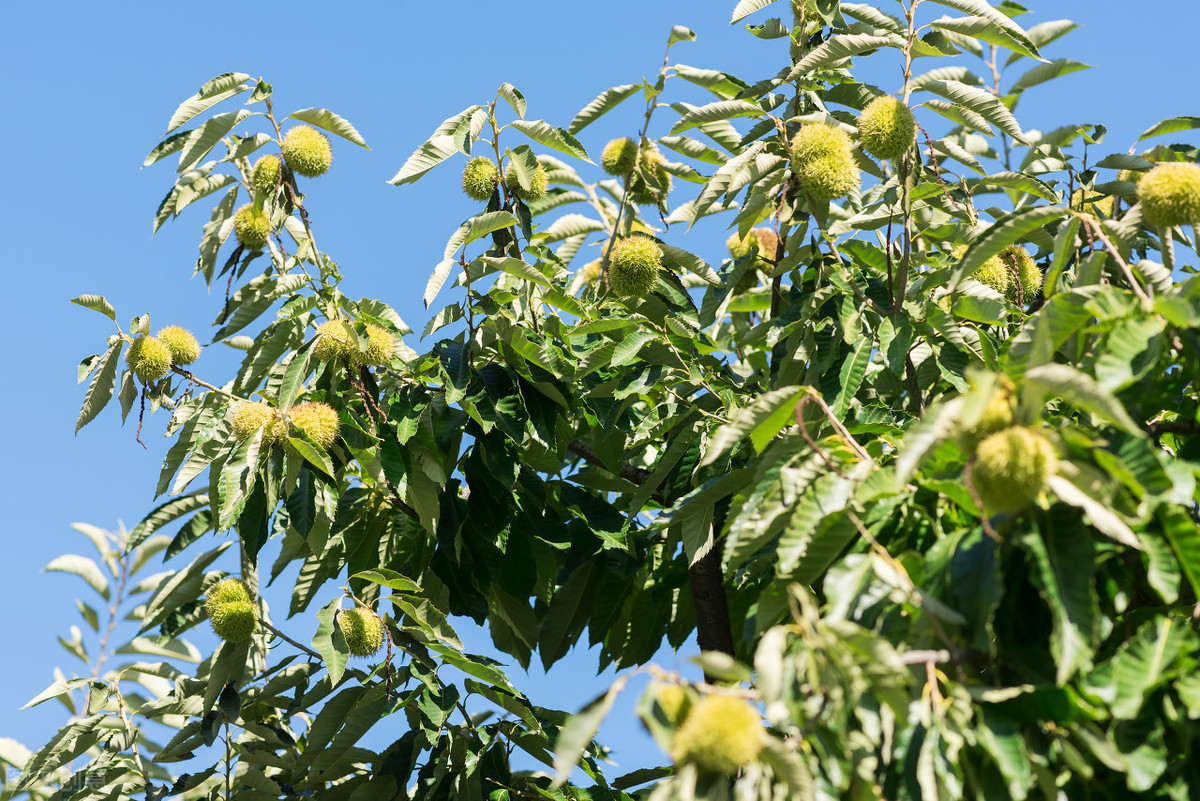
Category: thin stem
[192,377]
[289,640]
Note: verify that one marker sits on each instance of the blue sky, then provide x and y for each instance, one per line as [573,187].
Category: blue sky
[91,86]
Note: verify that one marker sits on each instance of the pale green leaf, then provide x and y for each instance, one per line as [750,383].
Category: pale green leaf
[326,120]
[212,93]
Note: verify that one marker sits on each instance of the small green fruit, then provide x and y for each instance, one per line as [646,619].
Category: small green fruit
[720,735]
[537,184]
[886,128]
[252,227]
[334,342]
[997,416]
[823,161]
[231,610]
[994,273]
[1024,275]
[246,417]
[363,630]
[674,700]
[763,238]
[651,181]
[1011,468]
[633,266]
[182,344]
[1093,203]
[480,177]
[1170,195]
[319,421]
[306,151]
[149,358]
[265,176]
[619,156]
[380,344]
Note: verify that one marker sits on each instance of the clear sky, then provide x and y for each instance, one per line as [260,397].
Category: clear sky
[90,87]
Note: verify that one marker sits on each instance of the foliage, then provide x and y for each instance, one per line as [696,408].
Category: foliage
[772,453]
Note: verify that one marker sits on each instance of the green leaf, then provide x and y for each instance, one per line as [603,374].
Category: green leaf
[313,453]
[761,419]
[985,30]
[745,8]
[96,303]
[83,567]
[1020,182]
[1170,125]
[1098,512]
[1046,72]
[218,89]
[1063,562]
[552,137]
[326,120]
[1044,33]
[164,514]
[1004,232]
[837,48]
[514,98]
[874,17]
[330,643]
[850,377]
[469,231]
[1083,391]
[717,110]
[389,578]
[1142,662]
[1064,250]
[237,479]
[978,101]
[440,146]
[604,102]
[172,144]
[206,137]
[680,33]
[980,8]
[576,734]
[100,391]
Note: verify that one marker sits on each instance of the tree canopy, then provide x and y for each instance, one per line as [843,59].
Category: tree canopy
[915,463]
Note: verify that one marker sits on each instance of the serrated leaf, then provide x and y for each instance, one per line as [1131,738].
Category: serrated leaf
[603,103]
[745,8]
[83,567]
[837,48]
[172,144]
[164,514]
[715,111]
[330,643]
[218,89]
[514,98]
[96,303]
[326,120]
[205,138]
[978,101]
[313,453]
[552,137]
[1004,232]
[770,410]
[439,147]
[1048,71]
[576,734]
[100,391]
[1083,391]
[984,30]
[980,8]
[1170,125]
